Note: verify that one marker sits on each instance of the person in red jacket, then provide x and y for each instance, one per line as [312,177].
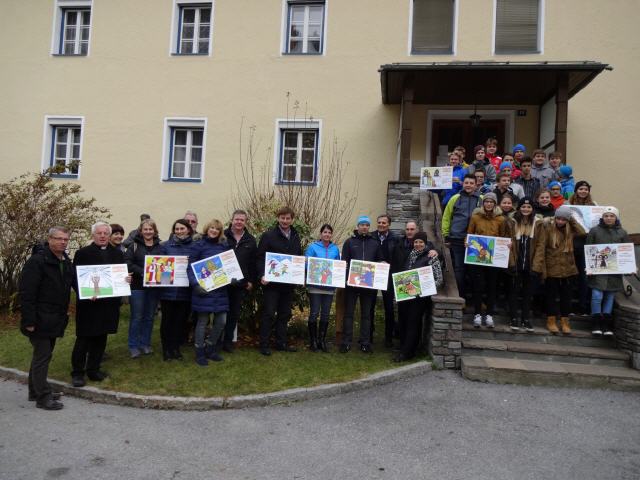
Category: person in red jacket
[491,147]
[557,199]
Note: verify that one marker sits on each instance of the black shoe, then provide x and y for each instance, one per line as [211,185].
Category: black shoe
[514,325]
[344,348]
[78,381]
[228,347]
[48,403]
[54,395]
[177,355]
[286,348]
[266,351]
[526,325]
[388,343]
[399,357]
[167,355]
[366,349]
[98,376]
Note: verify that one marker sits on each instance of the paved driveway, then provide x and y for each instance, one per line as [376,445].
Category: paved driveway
[434,426]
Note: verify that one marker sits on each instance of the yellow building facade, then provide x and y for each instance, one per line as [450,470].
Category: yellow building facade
[150,95]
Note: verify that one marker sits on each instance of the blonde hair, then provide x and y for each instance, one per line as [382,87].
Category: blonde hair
[561,237]
[149,222]
[217,224]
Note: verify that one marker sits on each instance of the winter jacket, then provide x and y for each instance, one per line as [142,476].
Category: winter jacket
[245,250]
[318,250]
[45,287]
[458,172]
[550,261]
[101,316]
[543,173]
[495,161]
[177,247]
[602,233]
[387,245]
[216,300]
[568,185]
[494,225]
[362,247]
[529,187]
[275,241]
[489,172]
[515,190]
[421,261]
[134,256]
[457,214]
[522,247]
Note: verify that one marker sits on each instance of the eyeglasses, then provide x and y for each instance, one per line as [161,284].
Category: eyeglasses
[60,239]
[557,189]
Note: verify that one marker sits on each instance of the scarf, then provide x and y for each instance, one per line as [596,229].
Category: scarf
[413,256]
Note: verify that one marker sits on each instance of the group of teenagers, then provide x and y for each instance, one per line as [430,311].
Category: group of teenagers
[527,200]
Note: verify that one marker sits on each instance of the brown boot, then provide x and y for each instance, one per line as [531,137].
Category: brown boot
[564,325]
[551,324]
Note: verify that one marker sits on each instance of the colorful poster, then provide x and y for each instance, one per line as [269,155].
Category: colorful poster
[414,283]
[487,251]
[102,281]
[610,258]
[587,216]
[282,268]
[217,271]
[368,275]
[326,272]
[165,271]
[436,178]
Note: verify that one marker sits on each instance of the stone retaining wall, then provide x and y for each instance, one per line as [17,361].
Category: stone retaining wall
[627,326]
[403,204]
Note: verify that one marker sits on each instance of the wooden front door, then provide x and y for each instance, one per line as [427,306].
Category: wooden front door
[448,134]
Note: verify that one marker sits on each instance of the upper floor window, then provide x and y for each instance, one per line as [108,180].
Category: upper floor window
[63,146]
[184,151]
[298,158]
[432,29]
[518,26]
[305,27]
[192,27]
[72,30]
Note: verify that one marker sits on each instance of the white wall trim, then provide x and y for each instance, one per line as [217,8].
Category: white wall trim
[282,123]
[454,40]
[51,121]
[186,122]
[284,33]
[175,20]
[58,6]
[541,23]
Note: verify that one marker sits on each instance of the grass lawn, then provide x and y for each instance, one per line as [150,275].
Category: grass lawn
[243,372]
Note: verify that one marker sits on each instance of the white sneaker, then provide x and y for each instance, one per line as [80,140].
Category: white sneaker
[488,321]
[597,331]
[477,321]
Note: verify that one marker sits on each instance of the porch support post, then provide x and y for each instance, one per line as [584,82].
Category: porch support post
[562,104]
[405,133]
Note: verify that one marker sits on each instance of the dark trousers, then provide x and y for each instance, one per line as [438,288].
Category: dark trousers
[521,287]
[484,282]
[42,353]
[415,310]
[558,293]
[276,309]
[237,297]
[172,325]
[320,306]
[389,314]
[584,292]
[403,315]
[367,297]
[457,250]
[87,355]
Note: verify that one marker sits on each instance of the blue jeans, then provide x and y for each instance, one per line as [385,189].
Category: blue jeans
[143,303]
[217,327]
[319,304]
[602,301]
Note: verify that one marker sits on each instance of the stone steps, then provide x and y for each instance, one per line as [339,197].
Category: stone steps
[576,321]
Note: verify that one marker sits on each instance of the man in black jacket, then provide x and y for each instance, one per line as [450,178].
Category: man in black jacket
[277,297]
[361,246]
[45,287]
[387,240]
[245,248]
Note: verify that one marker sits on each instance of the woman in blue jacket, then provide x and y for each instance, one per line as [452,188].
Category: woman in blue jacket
[203,303]
[175,302]
[321,298]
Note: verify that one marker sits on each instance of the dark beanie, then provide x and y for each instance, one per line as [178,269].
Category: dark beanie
[421,236]
[582,183]
[525,201]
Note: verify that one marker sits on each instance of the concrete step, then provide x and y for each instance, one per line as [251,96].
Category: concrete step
[544,352]
[554,374]
[576,321]
[539,335]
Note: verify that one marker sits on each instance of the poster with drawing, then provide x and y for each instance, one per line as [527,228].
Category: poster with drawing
[586,215]
[368,274]
[325,272]
[217,271]
[610,258]
[165,271]
[410,284]
[487,251]
[436,178]
[102,281]
[282,268]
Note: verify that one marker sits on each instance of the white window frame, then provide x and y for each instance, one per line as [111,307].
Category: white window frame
[541,16]
[454,40]
[284,30]
[188,123]
[174,41]
[281,126]
[51,123]
[59,9]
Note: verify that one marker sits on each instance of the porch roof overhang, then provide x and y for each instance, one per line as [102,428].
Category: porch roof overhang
[484,83]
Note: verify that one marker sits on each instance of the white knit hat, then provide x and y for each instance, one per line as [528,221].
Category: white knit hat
[613,210]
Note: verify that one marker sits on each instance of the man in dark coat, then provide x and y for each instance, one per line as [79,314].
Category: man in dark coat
[277,297]
[95,318]
[245,248]
[45,287]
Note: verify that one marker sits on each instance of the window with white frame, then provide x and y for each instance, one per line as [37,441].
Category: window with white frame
[297,153]
[305,27]
[62,150]
[432,27]
[194,29]
[518,26]
[72,27]
[185,150]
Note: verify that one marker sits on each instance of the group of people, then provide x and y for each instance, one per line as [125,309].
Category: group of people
[527,200]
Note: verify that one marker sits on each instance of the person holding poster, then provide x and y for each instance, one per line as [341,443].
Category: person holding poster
[553,259]
[215,302]
[360,246]
[604,287]
[175,302]
[277,297]
[320,297]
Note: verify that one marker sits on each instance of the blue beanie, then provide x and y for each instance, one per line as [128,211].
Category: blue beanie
[504,165]
[554,183]
[565,171]
[363,219]
[519,147]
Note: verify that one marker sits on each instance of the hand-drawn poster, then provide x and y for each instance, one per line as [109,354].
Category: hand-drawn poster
[326,272]
[102,281]
[487,251]
[282,268]
[165,271]
[586,215]
[368,274]
[414,283]
[610,258]
[436,178]
[217,271]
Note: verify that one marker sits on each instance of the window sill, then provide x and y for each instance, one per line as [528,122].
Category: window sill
[175,54]
[69,55]
[432,53]
[64,175]
[296,184]
[290,54]
[518,52]
[182,180]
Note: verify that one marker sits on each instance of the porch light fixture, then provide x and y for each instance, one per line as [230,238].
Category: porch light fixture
[475,118]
